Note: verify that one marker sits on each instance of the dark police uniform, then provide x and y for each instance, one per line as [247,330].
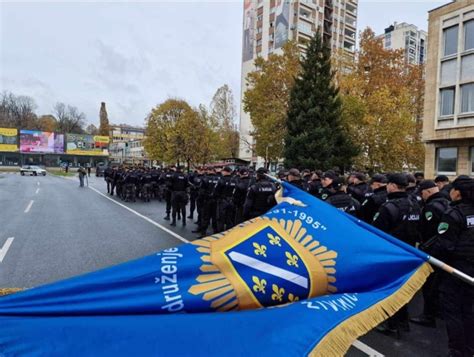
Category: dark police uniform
[371,204]
[344,202]
[179,196]
[194,181]
[260,198]
[167,180]
[454,244]
[358,191]
[207,186]
[225,209]
[240,193]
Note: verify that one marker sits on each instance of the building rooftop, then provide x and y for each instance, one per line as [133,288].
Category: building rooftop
[439,7]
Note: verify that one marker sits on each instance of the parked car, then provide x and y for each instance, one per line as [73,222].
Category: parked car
[32,170]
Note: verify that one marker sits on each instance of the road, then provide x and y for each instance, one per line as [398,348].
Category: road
[51,229]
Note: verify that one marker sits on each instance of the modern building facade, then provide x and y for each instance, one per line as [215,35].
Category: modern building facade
[409,38]
[127,145]
[269,24]
[448,127]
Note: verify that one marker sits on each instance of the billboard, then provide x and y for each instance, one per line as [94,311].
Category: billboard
[282,22]
[249,25]
[8,139]
[82,144]
[34,141]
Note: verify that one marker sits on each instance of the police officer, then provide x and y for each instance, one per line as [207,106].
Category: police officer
[146,184]
[444,186]
[260,196]
[326,182]
[454,244]
[399,216]
[435,206]
[194,181]
[357,186]
[244,181]
[107,177]
[207,186]
[374,198]
[314,184]
[294,178]
[179,196]
[412,189]
[167,181]
[224,193]
[341,200]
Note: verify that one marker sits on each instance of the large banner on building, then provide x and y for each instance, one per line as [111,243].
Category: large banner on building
[8,139]
[33,141]
[282,22]
[249,26]
[81,144]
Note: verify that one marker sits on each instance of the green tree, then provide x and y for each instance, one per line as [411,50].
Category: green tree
[315,135]
[104,127]
[267,96]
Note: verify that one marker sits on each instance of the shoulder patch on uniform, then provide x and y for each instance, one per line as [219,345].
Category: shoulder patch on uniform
[443,227]
[428,215]
[324,196]
[365,202]
[376,216]
[470,221]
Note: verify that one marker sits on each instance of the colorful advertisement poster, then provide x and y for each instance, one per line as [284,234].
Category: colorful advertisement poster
[282,22]
[8,139]
[33,141]
[249,25]
[82,144]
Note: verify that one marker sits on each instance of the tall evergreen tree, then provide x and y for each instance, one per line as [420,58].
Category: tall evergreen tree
[315,136]
[104,127]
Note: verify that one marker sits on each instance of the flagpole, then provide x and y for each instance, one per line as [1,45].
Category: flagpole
[449,269]
[433,261]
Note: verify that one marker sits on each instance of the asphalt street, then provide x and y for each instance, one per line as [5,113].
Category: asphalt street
[51,229]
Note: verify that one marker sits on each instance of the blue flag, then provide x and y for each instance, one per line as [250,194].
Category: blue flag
[303,279]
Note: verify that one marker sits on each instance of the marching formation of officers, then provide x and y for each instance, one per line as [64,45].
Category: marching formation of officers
[436,216]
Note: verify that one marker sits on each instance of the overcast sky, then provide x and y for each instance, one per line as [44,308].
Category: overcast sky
[134,55]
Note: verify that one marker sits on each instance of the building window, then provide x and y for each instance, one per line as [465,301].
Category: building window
[469,35]
[451,40]
[446,161]
[467,98]
[467,68]
[447,101]
[448,72]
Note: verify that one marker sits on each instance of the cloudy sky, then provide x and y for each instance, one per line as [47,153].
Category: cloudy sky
[133,55]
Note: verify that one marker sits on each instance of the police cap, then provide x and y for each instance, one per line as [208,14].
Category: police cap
[426,185]
[227,169]
[330,175]
[243,171]
[261,171]
[398,179]
[378,178]
[294,172]
[441,178]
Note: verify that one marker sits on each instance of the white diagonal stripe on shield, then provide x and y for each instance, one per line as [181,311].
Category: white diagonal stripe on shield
[269,269]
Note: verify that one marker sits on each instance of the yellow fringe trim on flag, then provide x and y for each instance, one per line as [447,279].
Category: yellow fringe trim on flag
[339,340]
[9,291]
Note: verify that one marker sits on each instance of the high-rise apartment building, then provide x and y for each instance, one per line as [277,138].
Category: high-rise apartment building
[409,38]
[268,24]
[448,123]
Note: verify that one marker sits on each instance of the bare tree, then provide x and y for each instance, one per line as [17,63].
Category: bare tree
[17,111]
[92,130]
[70,120]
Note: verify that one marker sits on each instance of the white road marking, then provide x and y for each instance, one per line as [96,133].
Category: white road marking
[177,236]
[37,190]
[29,206]
[269,269]
[38,183]
[366,349]
[5,248]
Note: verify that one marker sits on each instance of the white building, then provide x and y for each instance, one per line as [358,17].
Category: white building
[127,144]
[268,24]
[408,37]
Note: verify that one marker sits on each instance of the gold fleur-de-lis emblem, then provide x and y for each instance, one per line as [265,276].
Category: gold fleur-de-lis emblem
[260,284]
[274,240]
[260,249]
[292,259]
[292,298]
[277,293]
